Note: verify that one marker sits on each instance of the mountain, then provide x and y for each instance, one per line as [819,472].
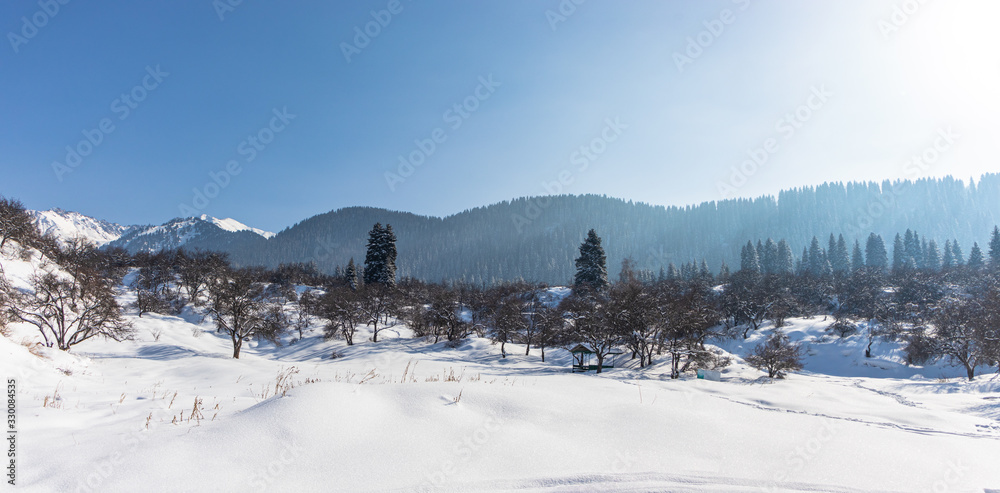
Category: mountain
[234,226]
[67,224]
[195,233]
[538,238]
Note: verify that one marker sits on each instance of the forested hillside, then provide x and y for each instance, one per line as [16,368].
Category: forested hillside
[537,238]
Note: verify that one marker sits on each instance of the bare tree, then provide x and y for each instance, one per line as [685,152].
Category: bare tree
[776,356]
[631,311]
[15,222]
[342,308]
[444,315]
[5,303]
[239,308]
[504,315]
[550,328]
[68,310]
[746,300]
[195,271]
[690,315]
[587,323]
[377,303]
[963,333]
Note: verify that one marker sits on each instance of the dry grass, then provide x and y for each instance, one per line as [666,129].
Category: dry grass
[34,347]
[55,400]
[282,384]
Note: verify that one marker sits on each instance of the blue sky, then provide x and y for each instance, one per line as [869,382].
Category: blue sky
[666,102]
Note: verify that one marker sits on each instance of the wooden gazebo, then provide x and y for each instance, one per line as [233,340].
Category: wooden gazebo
[582,356]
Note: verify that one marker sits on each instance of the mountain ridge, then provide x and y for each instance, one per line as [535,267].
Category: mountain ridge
[537,238]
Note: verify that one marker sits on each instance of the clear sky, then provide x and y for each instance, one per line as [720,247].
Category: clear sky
[667,98]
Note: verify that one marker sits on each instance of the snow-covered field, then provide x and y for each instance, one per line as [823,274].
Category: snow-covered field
[407,415]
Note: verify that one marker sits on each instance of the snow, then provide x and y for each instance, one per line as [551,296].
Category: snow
[67,225]
[407,415]
[233,225]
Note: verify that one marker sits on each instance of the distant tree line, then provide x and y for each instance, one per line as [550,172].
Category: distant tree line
[490,245]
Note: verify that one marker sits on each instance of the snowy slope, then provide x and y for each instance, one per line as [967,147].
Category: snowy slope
[520,425]
[67,225]
[406,415]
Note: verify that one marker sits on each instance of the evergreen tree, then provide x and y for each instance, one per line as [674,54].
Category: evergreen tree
[875,254]
[898,254]
[724,273]
[816,258]
[802,266]
[769,263]
[827,270]
[995,249]
[841,260]
[703,272]
[749,261]
[932,259]
[380,260]
[857,259]
[785,263]
[956,253]
[672,273]
[592,265]
[948,261]
[351,275]
[912,249]
[689,271]
[922,259]
[976,261]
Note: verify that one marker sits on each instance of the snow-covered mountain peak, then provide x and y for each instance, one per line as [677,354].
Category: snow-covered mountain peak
[233,225]
[66,225]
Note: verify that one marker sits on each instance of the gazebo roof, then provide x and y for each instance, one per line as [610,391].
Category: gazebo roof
[581,349]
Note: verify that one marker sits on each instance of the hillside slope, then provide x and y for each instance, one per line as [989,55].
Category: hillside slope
[172,411]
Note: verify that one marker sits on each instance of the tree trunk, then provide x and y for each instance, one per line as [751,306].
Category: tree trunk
[236,349]
[600,362]
[971,372]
